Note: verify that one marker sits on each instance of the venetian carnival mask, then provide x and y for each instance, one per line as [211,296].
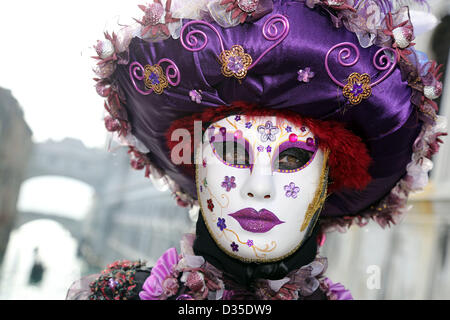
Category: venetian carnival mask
[261,183]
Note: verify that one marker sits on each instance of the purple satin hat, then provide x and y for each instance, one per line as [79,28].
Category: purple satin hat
[322,59]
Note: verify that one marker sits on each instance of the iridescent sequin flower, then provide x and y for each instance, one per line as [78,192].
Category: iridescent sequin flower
[221,224]
[229,183]
[291,190]
[235,62]
[305,75]
[357,88]
[234,247]
[268,132]
[196,96]
[155,78]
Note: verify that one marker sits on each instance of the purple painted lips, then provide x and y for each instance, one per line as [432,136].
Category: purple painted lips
[256,222]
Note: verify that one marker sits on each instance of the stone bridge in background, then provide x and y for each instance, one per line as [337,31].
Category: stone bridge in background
[69,158]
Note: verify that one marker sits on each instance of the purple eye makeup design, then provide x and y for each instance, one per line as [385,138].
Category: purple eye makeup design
[233,150]
[294,156]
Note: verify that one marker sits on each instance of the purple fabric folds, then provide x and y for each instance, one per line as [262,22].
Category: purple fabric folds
[385,121]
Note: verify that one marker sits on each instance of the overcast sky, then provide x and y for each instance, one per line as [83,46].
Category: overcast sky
[45,60]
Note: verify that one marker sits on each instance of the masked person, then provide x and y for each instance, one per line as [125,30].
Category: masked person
[281,120]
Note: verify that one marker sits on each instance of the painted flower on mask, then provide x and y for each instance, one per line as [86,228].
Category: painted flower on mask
[250,243]
[268,132]
[229,183]
[291,190]
[221,224]
[210,205]
[248,125]
[260,148]
[288,129]
[234,247]
[237,118]
[269,149]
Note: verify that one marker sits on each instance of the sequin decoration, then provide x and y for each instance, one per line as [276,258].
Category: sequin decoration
[291,190]
[305,75]
[196,96]
[235,62]
[229,183]
[210,205]
[155,79]
[221,224]
[268,132]
[357,88]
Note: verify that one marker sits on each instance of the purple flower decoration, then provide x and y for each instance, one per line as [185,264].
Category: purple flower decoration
[269,149]
[248,125]
[237,118]
[305,75]
[260,148]
[229,183]
[196,96]
[288,129]
[221,224]
[291,190]
[250,243]
[235,247]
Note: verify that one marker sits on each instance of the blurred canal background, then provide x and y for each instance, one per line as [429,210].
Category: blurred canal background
[70,203]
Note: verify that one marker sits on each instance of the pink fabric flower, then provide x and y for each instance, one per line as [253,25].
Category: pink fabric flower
[161,283]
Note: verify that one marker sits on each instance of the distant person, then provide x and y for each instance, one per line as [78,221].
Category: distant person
[37,270]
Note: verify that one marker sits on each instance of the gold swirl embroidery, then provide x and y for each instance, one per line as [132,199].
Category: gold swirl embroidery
[155,78]
[235,62]
[254,247]
[357,88]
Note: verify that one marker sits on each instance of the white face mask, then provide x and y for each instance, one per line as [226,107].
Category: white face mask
[261,183]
